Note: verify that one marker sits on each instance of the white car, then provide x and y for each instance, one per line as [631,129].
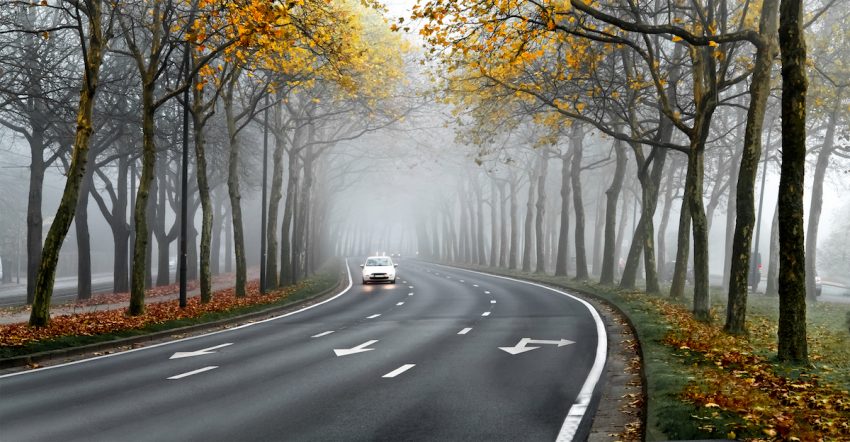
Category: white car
[379,269]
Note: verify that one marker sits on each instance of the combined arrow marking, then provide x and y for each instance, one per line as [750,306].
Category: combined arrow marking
[522,347]
[358,349]
[205,351]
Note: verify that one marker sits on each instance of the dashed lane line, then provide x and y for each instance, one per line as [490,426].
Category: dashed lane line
[465,331]
[399,371]
[322,334]
[193,372]
[373,316]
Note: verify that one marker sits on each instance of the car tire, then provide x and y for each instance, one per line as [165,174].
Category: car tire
[392,282]
[365,282]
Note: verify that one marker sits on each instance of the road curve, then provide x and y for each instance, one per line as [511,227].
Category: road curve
[444,354]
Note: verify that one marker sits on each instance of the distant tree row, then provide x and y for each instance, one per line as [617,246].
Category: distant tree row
[101,89]
[676,92]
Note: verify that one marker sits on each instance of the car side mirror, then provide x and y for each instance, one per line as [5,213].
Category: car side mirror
[396,265]
[361,266]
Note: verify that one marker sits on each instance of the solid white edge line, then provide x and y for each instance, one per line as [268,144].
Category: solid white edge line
[322,334]
[398,371]
[577,410]
[162,344]
[193,372]
[465,331]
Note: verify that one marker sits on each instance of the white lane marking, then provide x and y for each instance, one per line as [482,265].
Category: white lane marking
[461,280]
[193,372]
[465,331]
[205,351]
[322,334]
[373,316]
[577,410]
[485,314]
[410,294]
[399,371]
[404,282]
[492,301]
[399,303]
[356,349]
[486,292]
[410,286]
[227,330]
[475,285]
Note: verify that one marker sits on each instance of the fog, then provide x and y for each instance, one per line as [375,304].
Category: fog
[410,165]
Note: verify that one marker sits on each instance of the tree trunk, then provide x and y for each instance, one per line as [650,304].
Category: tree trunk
[219,214]
[272,272]
[816,205]
[792,257]
[503,226]
[494,225]
[541,213]
[163,268]
[612,197]
[771,288]
[736,309]
[479,231]
[514,252]
[141,253]
[561,261]
[599,226]
[234,192]
[528,241]
[81,225]
[286,275]
[34,214]
[207,267]
[43,289]
[661,265]
[228,241]
[683,245]
[576,144]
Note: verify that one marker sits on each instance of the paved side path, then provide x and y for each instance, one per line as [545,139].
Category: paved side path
[23,315]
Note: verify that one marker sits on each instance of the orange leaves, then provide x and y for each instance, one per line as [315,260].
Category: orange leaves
[732,379]
[112,321]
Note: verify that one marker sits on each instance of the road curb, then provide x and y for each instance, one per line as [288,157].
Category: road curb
[35,358]
[601,300]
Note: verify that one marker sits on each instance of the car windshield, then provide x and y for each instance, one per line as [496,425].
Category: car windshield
[374,262]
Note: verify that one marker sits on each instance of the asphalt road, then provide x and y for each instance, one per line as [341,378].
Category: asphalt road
[440,355]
